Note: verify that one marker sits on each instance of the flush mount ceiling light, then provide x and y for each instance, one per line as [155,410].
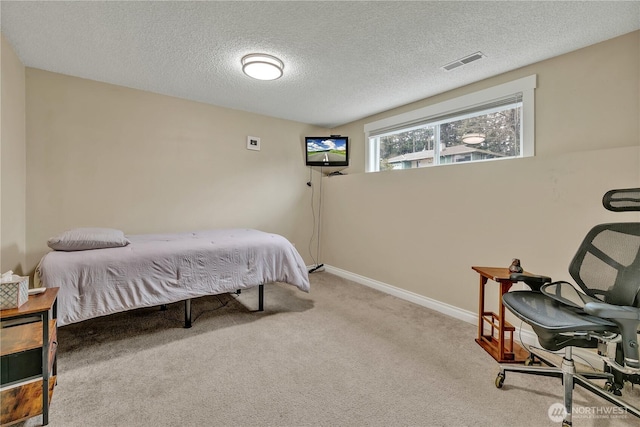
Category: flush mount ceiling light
[262,66]
[473,138]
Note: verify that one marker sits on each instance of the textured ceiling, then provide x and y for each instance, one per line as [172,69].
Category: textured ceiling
[343,60]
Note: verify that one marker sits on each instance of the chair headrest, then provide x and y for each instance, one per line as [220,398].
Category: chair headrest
[622,200]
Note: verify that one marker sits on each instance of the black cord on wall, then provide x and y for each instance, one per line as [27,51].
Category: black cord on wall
[316,222]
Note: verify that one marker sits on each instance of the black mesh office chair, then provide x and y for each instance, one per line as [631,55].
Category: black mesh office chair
[604,313]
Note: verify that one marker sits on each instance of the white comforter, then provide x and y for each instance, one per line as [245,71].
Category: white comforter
[159,269]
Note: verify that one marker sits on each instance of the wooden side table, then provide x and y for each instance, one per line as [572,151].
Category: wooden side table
[499,341]
[29,362]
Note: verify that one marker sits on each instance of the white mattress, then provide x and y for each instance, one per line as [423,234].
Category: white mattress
[157,269]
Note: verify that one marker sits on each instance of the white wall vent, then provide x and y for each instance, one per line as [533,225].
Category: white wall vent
[463,61]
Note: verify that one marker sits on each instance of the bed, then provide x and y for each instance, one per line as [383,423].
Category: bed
[134,271]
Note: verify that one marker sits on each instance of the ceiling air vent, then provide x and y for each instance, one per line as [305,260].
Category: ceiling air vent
[463,61]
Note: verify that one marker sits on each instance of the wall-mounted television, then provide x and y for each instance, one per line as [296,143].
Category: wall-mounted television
[327,150]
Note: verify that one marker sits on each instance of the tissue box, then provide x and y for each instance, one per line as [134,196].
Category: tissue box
[15,293]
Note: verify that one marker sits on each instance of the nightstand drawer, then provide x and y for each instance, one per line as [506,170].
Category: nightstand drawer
[18,366]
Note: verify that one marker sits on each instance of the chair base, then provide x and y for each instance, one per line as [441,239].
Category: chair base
[570,377]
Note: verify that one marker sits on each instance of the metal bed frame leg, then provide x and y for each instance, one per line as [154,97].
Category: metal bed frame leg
[187,313]
[187,306]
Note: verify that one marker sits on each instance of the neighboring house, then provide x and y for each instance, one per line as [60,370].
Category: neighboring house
[454,154]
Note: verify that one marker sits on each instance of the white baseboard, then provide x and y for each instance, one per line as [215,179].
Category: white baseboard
[441,307]
[528,338]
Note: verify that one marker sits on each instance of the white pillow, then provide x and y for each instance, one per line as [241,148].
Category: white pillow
[82,239]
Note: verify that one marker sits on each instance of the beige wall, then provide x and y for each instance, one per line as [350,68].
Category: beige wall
[108,156]
[421,230]
[12,161]
[103,155]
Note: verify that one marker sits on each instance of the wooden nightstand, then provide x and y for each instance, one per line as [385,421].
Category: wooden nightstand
[28,347]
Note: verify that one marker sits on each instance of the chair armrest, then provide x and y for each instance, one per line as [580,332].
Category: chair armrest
[609,311]
[567,294]
[533,281]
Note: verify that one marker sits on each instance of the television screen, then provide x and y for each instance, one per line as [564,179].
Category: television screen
[327,150]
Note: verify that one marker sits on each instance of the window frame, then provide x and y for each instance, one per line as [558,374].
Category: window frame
[526,86]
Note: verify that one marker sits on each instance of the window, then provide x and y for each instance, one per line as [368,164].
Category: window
[495,123]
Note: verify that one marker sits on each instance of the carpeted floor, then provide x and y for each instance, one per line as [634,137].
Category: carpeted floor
[343,355]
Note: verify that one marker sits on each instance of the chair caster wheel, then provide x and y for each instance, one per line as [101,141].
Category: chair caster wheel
[612,388]
[500,380]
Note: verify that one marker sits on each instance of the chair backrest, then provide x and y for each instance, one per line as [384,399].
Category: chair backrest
[607,263]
